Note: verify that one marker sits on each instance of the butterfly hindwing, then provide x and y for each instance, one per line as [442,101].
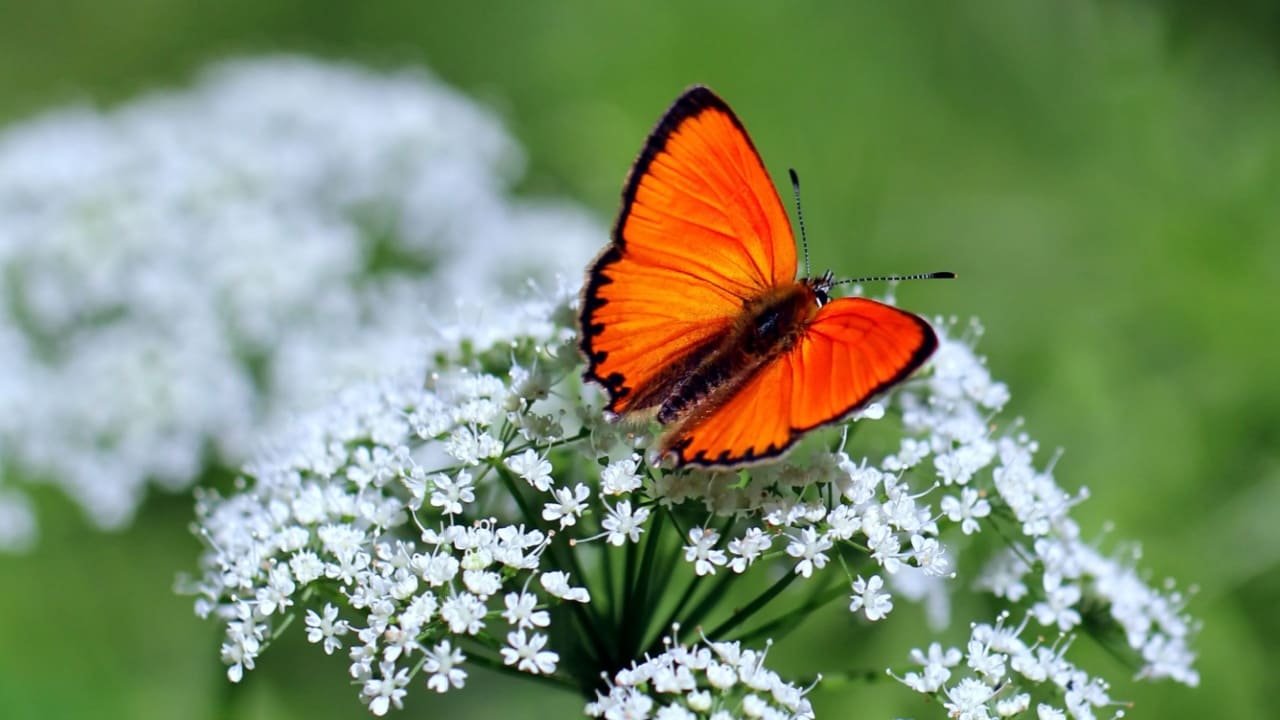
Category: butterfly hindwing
[700,233]
[852,350]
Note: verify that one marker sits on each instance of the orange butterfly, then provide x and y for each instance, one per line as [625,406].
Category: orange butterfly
[693,312]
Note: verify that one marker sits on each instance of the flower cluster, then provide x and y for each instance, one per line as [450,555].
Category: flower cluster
[373,502]
[1047,572]
[717,680]
[185,268]
[476,508]
[1002,670]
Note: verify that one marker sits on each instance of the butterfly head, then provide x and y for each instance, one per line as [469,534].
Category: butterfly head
[821,286]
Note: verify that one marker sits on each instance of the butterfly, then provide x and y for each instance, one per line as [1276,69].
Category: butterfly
[693,314]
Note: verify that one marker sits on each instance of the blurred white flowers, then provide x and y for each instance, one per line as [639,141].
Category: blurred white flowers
[181,269]
[475,508]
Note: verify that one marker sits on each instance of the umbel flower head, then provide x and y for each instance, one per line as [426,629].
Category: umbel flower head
[183,269]
[475,509]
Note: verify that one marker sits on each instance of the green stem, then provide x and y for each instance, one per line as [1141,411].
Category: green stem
[754,606]
[1112,642]
[610,585]
[708,602]
[644,589]
[847,677]
[1016,547]
[694,583]
[626,626]
[780,626]
[681,532]
[513,488]
[284,625]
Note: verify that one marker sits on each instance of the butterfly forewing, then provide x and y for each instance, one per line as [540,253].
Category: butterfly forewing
[701,232]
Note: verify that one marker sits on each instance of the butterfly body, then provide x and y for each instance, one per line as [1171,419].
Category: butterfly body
[768,326]
[693,315]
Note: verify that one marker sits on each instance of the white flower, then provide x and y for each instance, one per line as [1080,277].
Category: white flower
[482,583]
[526,653]
[362,658]
[275,596]
[420,611]
[620,477]
[810,547]
[885,548]
[968,700]
[521,611]
[873,411]
[1013,705]
[702,551]
[387,690]
[244,641]
[568,506]
[438,570]
[990,665]
[326,629]
[868,598]
[532,468]
[464,445]
[622,524]
[464,613]
[721,676]
[557,583]
[966,509]
[843,522]
[911,451]
[864,481]
[748,548]
[451,493]
[398,642]
[1059,606]
[306,566]
[1048,712]
[930,555]
[937,665]
[442,663]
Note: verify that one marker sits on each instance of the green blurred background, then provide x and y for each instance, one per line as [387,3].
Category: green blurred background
[1104,177]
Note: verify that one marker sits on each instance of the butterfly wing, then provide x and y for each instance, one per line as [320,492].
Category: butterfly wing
[701,232]
[853,349]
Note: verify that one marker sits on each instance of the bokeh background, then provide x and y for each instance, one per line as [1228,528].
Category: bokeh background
[1104,177]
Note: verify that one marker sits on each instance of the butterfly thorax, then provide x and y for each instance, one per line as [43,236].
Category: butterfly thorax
[769,325]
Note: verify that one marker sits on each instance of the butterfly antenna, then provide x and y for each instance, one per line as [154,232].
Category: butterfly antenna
[804,241]
[943,275]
